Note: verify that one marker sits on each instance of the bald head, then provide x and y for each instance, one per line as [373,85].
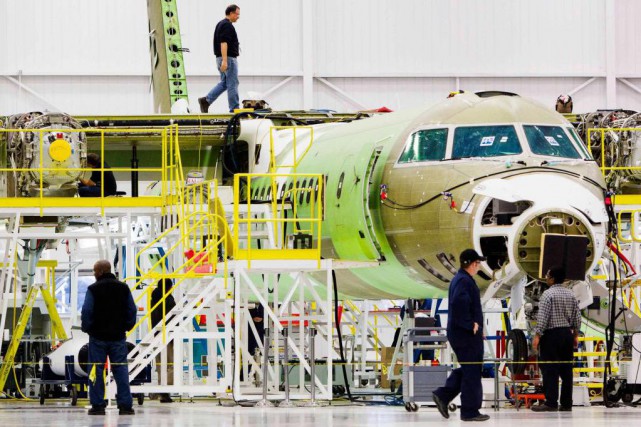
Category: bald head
[101,268]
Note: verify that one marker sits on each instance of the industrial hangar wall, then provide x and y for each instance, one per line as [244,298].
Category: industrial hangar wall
[91,57]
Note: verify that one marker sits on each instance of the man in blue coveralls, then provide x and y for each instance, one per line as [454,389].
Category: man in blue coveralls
[465,334]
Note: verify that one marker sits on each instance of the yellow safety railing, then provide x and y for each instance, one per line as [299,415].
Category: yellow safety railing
[631,300]
[295,158]
[596,358]
[622,220]
[168,138]
[200,223]
[193,229]
[305,220]
[606,169]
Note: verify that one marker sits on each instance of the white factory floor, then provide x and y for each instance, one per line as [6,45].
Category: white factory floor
[208,413]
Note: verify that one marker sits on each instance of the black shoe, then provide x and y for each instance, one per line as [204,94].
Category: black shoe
[126,411]
[479,417]
[165,398]
[96,410]
[441,406]
[565,409]
[204,105]
[543,408]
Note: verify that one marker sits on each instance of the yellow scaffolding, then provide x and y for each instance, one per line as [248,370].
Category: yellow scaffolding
[56,327]
[304,220]
[168,139]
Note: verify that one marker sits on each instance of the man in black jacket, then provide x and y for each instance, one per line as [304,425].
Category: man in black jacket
[93,187]
[157,315]
[107,314]
[465,334]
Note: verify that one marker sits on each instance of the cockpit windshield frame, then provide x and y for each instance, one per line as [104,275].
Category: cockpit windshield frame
[550,141]
[485,141]
[425,145]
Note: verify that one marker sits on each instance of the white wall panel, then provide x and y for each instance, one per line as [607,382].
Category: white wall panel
[628,98]
[3,35]
[465,37]
[76,37]
[130,95]
[78,95]
[269,33]
[404,93]
[628,36]
[372,93]
[379,52]
[545,90]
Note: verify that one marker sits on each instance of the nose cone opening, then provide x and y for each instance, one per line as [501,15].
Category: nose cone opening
[528,245]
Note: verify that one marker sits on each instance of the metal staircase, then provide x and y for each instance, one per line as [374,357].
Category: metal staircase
[191,304]
[198,234]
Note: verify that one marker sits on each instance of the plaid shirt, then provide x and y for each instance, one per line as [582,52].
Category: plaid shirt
[558,308]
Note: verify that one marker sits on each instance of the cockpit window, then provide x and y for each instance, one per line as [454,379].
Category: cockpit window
[550,141]
[580,143]
[485,141]
[425,145]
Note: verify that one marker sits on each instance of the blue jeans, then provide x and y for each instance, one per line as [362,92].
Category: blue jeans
[117,352]
[228,82]
[89,191]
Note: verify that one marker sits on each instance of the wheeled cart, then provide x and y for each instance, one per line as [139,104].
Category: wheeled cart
[76,385]
[420,381]
[51,385]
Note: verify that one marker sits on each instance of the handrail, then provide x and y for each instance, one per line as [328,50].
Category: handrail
[179,273]
[272,155]
[313,218]
[39,170]
[602,131]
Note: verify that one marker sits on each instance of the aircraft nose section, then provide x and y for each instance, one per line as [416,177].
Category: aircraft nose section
[519,211]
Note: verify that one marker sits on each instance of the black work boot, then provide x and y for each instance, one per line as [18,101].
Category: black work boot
[441,406]
[165,398]
[204,104]
[96,410]
[126,410]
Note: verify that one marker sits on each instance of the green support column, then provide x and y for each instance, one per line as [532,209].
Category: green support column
[167,65]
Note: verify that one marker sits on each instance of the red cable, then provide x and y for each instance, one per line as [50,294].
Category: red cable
[621,256]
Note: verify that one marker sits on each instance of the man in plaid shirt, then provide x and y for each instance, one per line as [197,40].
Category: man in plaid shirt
[557,331]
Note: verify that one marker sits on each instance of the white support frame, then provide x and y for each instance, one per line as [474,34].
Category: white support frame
[186,379]
[254,285]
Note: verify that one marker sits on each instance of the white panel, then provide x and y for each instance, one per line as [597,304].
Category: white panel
[545,90]
[378,52]
[130,95]
[628,98]
[371,93]
[4,40]
[628,36]
[269,33]
[398,94]
[76,37]
[458,38]
[77,95]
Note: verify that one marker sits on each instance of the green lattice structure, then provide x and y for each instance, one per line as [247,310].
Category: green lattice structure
[166,53]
